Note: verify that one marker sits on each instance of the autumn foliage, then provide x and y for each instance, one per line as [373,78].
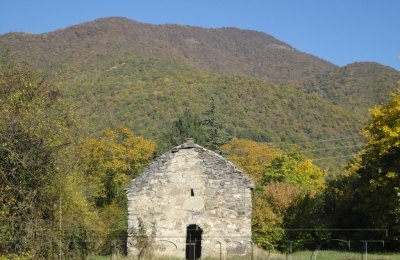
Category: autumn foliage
[251,156]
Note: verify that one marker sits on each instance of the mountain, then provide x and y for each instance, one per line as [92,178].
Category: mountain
[355,87]
[122,72]
[107,41]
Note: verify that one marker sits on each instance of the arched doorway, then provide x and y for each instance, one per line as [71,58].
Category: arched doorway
[193,242]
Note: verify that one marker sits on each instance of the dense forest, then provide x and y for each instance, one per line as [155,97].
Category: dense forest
[86,108]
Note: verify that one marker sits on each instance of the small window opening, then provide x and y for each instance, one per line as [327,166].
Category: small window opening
[191,192]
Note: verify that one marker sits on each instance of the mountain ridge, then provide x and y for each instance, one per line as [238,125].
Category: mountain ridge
[244,52]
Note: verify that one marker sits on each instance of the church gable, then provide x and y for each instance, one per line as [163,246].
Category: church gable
[192,187]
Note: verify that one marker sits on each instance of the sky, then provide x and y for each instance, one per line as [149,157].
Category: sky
[338,31]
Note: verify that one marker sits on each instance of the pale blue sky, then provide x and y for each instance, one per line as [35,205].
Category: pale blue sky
[340,31]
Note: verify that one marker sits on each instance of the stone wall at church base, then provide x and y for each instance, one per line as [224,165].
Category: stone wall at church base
[210,247]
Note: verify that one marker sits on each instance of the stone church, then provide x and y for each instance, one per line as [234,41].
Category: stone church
[196,203]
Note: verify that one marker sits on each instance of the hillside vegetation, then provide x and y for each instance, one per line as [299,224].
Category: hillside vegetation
[355,87]
[147,94]
[123,72]
[100,43]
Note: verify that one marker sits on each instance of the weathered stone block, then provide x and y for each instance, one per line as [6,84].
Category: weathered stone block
[175,191]
[193,203]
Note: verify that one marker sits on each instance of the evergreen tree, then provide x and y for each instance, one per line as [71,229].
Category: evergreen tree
[208,132]
[188,125]
[216,136]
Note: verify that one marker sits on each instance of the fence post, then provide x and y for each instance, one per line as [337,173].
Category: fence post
[113,248]
[365,247]
[289,250]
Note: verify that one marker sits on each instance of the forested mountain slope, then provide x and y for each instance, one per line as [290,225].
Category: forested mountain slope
[355,87]
[123,72]
[102,43]
[147,94]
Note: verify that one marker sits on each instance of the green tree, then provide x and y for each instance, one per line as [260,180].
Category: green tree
[206,132]
[35,126]
[216,136]
[295,168]
[188,125]
[372,181]
[289,190]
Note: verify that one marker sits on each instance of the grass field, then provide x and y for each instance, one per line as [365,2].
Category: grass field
[306,255]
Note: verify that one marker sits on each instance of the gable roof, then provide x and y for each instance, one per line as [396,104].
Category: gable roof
[216,167]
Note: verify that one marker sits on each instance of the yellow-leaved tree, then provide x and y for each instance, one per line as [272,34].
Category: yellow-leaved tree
[287,195]
[107,164]
[37,126]
[251,156]
[368,195]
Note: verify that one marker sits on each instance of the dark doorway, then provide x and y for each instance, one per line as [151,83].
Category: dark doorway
[193,242]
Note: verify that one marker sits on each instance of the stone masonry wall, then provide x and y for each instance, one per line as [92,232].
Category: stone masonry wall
[192,185]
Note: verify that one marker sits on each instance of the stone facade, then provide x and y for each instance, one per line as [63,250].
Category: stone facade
[198,202]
